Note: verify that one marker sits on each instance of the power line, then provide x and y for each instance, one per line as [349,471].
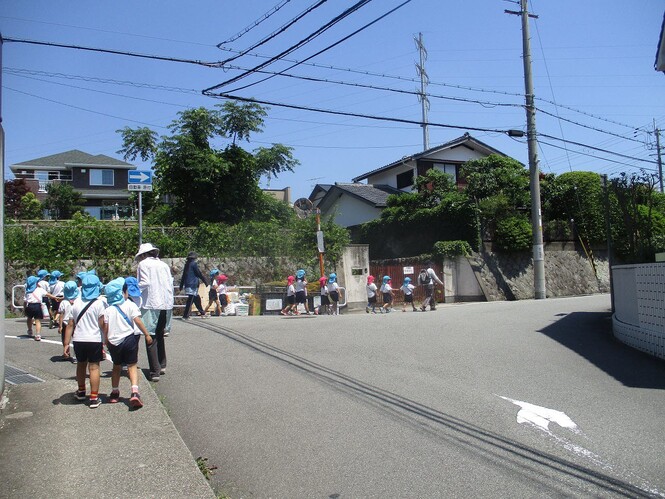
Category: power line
[256,23]
[273,34]
[589,155]
[595,148]
[296,46]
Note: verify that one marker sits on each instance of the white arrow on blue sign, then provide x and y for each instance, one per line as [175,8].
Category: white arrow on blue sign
[143,177]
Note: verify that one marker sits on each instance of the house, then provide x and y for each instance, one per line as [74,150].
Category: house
[447,157]
[352,204]
[101,180]
[356,203]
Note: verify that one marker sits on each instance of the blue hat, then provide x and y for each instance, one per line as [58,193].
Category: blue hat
[132,286]
[332,278]
[386,278]
[31,284]
[55,275]
[113,291]
[407,280]
[90,288]
[214,272]
[71,290]
[300,274]
[42,273]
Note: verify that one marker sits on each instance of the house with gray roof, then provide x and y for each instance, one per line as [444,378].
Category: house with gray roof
[356,203]
[101,180]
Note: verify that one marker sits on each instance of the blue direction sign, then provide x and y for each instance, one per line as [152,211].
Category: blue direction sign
[139,180]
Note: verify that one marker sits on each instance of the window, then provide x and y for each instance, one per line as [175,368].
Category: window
[101,177]
[405,179]
[449,168]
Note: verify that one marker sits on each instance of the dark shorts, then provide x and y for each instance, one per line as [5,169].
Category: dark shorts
[429,290]
[212,295]
[34,311]
[325,300]
[127,352]
[300,297]
[291,299]
[223,300]
[55,305]
[334,296]
[408,298]
[387,298]
[372,299]
[88,351]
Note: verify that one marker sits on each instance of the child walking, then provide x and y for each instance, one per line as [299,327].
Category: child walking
[84,326]
[213,297]
[371,294]
[122,327]
[290,297]
[407,288]
[387,291]
[70,292]
[56,287]
[222,293]
[324,308]
[301,290]
[333,292]
[32,304]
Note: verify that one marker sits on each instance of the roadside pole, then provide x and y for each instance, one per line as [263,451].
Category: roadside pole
[140,218]
[2,239]
[319,240]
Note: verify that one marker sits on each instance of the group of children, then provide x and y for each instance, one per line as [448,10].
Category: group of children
[388,295]
[217,293]
[296,294]
[87,321]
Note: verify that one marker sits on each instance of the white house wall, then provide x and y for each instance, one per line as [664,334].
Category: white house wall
[389,177]
[351,211]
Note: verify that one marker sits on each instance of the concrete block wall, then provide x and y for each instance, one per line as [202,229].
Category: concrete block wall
[639,303]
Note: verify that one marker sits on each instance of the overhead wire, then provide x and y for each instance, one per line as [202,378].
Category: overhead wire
[272,35]
[358,5]
[256,23]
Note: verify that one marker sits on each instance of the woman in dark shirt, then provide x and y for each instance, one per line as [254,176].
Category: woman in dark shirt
[190,282]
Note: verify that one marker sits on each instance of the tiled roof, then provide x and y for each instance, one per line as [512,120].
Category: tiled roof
[448,145]
[376,195]
[74,158]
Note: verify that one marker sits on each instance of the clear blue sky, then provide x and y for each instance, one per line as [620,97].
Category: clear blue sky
[595,57]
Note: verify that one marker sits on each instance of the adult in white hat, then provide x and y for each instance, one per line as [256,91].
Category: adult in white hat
[156,285]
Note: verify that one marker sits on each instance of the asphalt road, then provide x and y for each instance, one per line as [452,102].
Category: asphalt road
[504,399]
[421,404]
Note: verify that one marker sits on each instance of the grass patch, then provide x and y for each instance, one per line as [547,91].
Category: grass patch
[205,469]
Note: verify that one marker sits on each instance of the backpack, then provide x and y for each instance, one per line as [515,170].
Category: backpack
[424,277]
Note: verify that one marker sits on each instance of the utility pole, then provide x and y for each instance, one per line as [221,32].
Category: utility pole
[532,143]
[660,161]
[422,95]
[2,238]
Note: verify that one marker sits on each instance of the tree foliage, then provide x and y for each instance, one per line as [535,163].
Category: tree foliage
[31,207]
[62,201]
[14,190]
[203,182]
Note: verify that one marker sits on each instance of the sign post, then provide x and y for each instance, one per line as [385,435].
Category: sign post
[140,180]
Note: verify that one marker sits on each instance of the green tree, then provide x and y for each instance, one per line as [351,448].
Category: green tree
[204,183]
[14,190]
[31,207]
[62,201]
[139,142]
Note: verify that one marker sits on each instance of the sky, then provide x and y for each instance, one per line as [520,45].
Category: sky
[597,94]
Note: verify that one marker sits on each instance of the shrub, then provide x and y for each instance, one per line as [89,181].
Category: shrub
[450,249]
[513,234]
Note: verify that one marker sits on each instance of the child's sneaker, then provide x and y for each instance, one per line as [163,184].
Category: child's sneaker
[38,337]
[79,394]
[135,401]
[29,333]
[94,403]
[114,398]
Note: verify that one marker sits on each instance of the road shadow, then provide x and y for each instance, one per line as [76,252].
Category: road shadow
[589,334]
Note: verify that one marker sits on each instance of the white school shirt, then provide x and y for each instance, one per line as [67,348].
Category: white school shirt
[119,328]
[43,284]
[333,286]
[301,285]
[324,291]
[407,289]
[87,328]
[222,289]
[64,308]
[386,288]
[290,291]
[35,296]
[371,290]
[58,288]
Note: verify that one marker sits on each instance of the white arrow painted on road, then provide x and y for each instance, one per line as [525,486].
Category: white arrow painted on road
[542,416]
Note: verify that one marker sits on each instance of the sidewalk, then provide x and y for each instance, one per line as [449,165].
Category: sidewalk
[52,445]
